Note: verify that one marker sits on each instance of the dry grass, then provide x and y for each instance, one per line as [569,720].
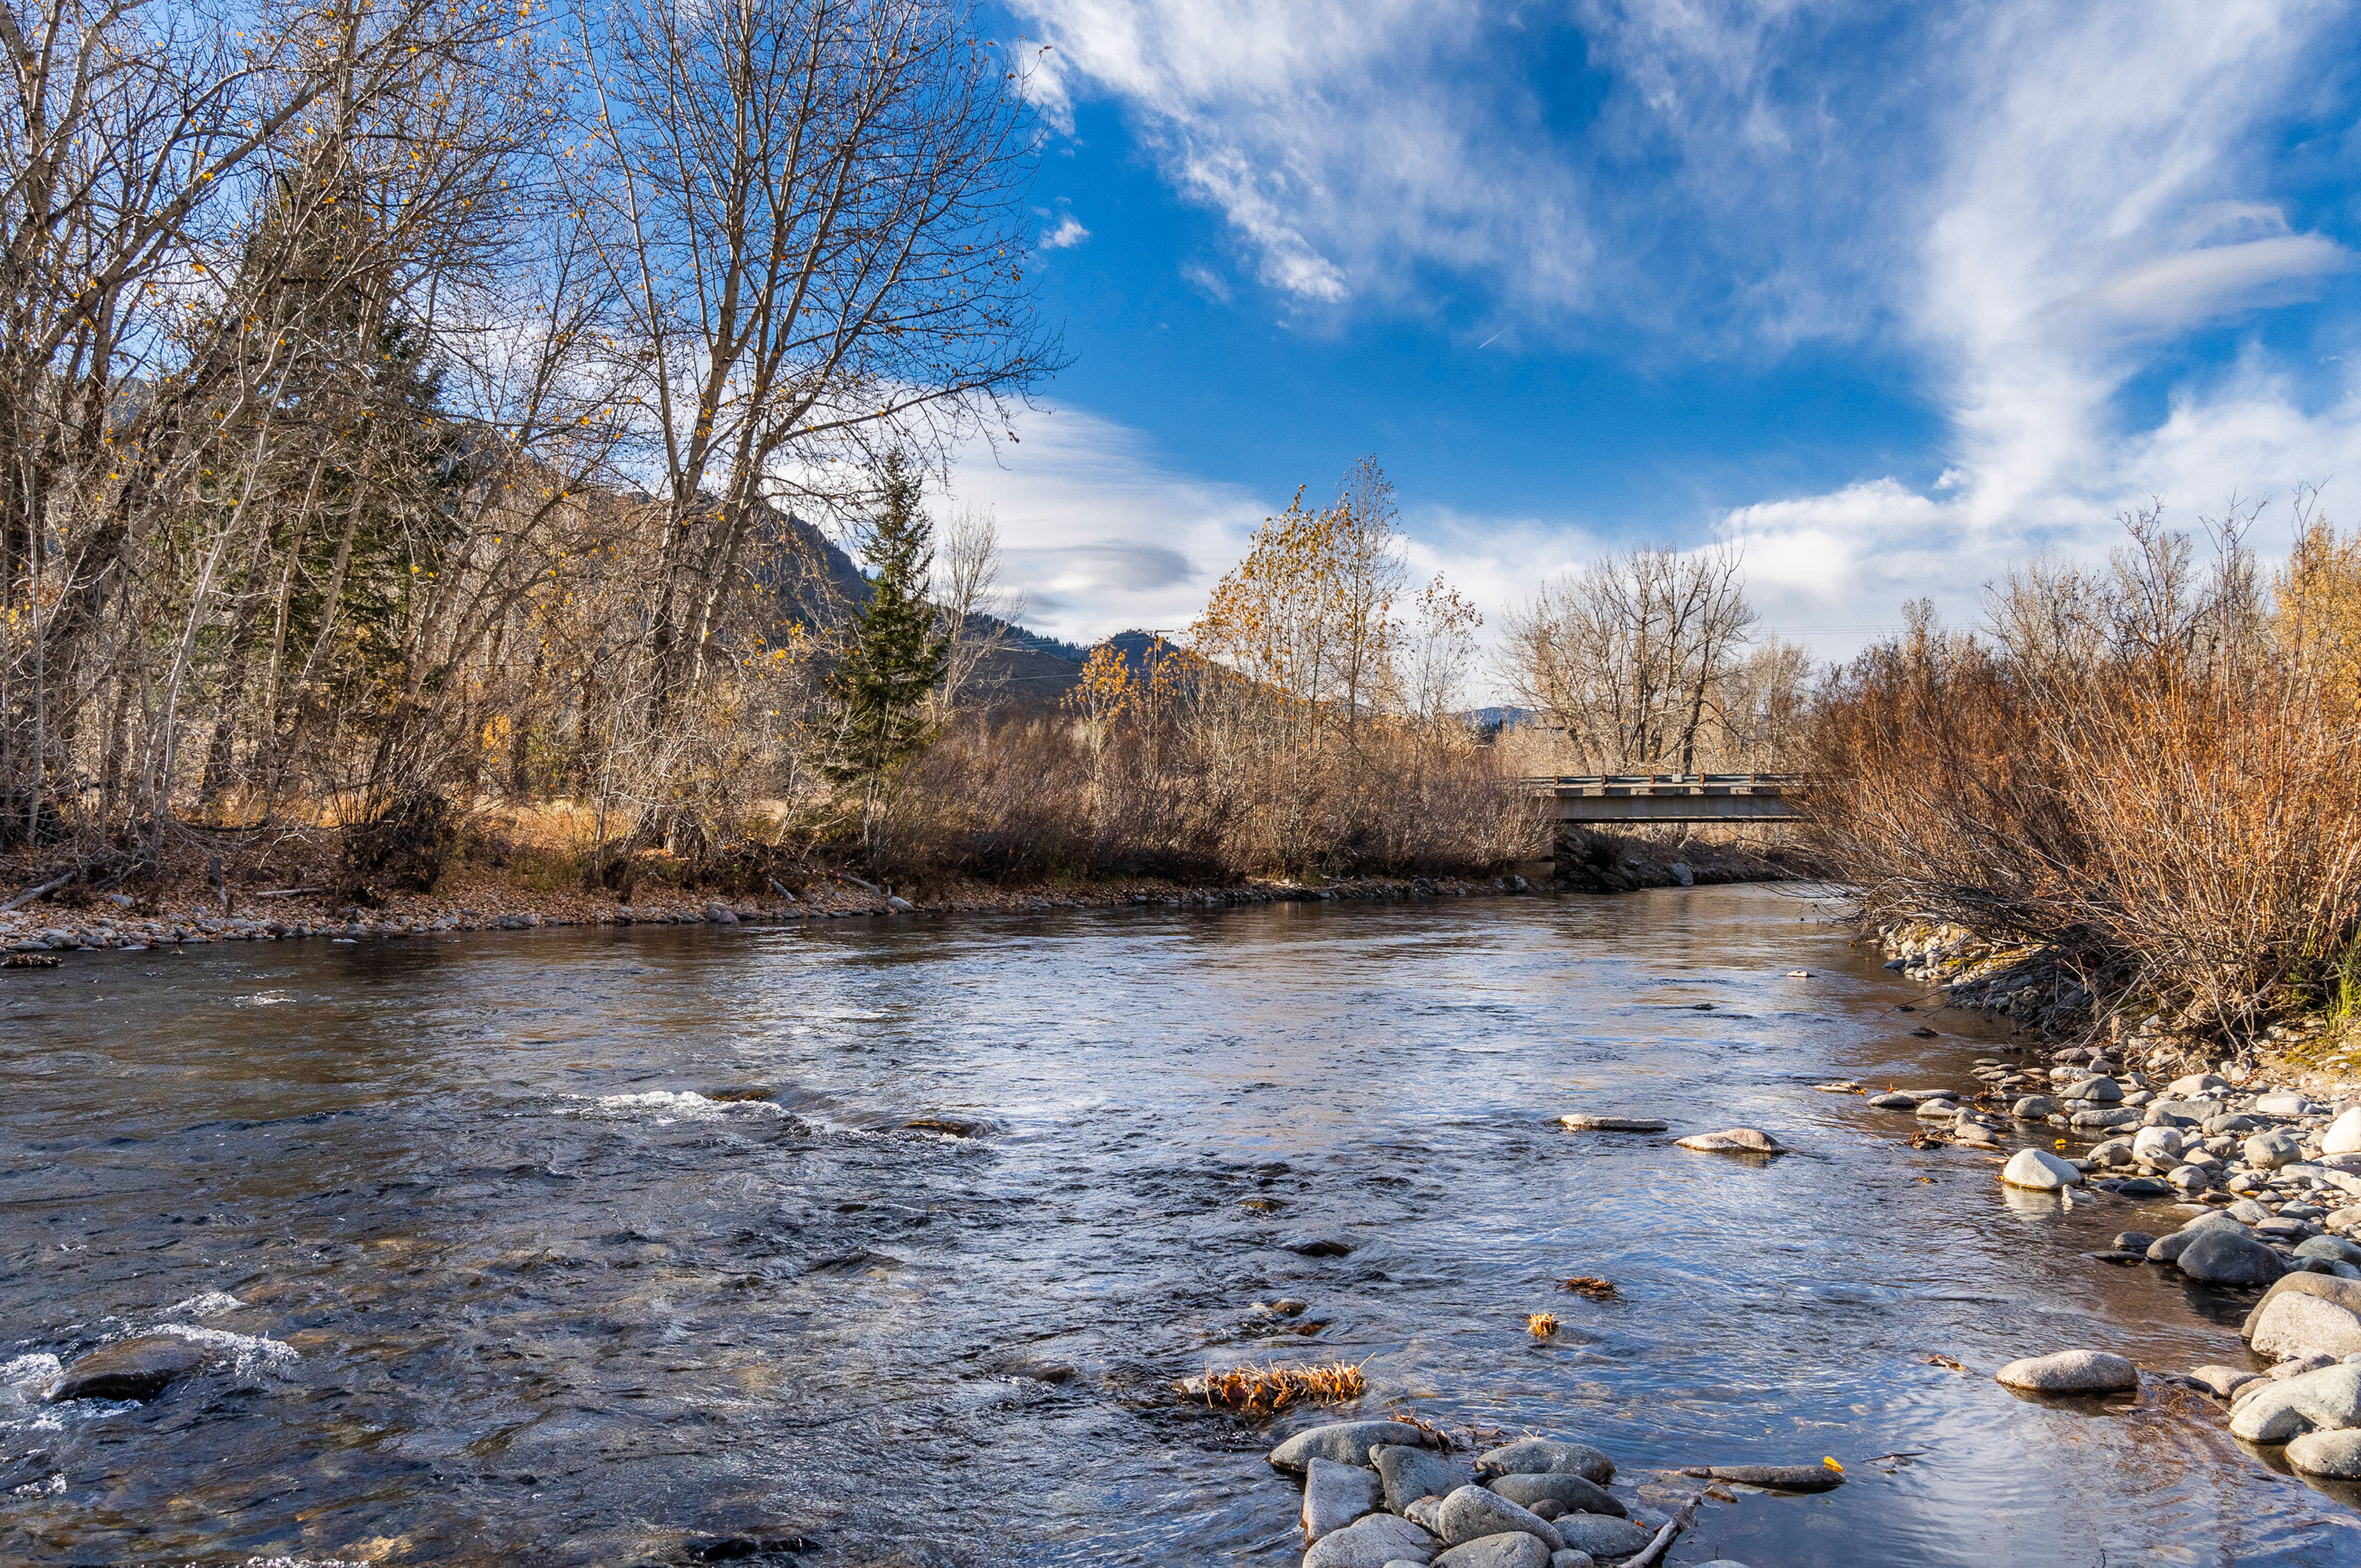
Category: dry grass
[1541,1325]
[1264,1390]
[1590,1286]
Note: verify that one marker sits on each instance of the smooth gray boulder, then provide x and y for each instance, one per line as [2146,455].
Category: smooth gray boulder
[1372,1542]
[2329,1399]
[1733,1140]
[1473,1512]
[2295,1324]
[1546,1456]
[1334,1495]
[2269,1151]
[1580,1123]
[138,1368]
[1570,1558]
[1602,1535]
[2329,1249]
[1420,1511]
[2224,1257]
[2345,1293]
[1511,1549]
[2335,1455]
[1576,1492]
[2034,1108]
[2070,1372]
[2039,1171]
[1345,1442]
[1410,1474]
[2097,1092]
[2224,1381]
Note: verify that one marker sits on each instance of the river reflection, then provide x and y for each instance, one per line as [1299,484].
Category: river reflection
[558,1290]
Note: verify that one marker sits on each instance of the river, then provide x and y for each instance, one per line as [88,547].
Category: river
[499,1273]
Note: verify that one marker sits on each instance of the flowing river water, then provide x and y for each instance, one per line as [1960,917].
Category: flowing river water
[498,1272]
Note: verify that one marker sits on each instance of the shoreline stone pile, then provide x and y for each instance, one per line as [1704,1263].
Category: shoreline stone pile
[1383,1494]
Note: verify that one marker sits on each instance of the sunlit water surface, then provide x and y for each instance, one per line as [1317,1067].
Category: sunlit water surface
[499,1279]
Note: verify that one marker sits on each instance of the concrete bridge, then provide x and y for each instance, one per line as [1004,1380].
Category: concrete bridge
[1669,797]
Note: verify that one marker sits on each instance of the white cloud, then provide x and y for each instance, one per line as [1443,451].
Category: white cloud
[1067,232]
[1339,138]
[1098,532]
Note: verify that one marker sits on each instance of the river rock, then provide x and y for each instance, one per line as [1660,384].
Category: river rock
[2104,1116]
[720,915]
[1410,1474]
[2133,1241]
[2294,1325]
[1546,1456]
[1570,1558]
[2329,1399]
[1602,1535]
[1894,1101]
[2034,1108]
[2040,1170]
[2329,1249]
[1582,1122]
[2070,1372]
[2269,1151]
[2342,1292]
[1344,1443]
[1372,1542]
[2224,1381]
[2335,1455]
[1778,1477]
[1936,1110]
[1509,1549]
[1420,1511]
[1473,1512]
[2157,1144]
[2195,1086]
[1574,1492]
[1334,1495]
[2283,1105]
[2097,1091]
[2343,1134]
[2189,1179]
[1734,1140]
[2224,1257]
[2246,1211]
[138,1368]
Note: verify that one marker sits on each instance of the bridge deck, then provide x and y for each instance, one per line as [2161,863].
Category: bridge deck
[1668,797]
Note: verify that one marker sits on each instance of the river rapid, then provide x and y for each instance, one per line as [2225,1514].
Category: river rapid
[499,1270]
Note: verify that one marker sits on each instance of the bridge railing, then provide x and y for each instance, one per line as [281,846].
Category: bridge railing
[1663,784]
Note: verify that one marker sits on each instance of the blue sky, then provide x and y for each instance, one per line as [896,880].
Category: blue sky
[1891,295]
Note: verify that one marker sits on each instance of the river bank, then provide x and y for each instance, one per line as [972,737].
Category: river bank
[247,906]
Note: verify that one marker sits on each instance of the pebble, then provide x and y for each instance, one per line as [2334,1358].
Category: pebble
[1734,1140]
[2070,1372]
[1586,1123]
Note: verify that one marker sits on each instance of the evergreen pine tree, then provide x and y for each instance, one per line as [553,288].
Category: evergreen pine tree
[896,657]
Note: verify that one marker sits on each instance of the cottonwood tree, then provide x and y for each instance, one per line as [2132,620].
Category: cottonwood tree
[1629,657]
[813,212]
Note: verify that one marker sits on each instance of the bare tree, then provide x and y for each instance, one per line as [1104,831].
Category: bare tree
[972,609]
[1629,656]
[812,212]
